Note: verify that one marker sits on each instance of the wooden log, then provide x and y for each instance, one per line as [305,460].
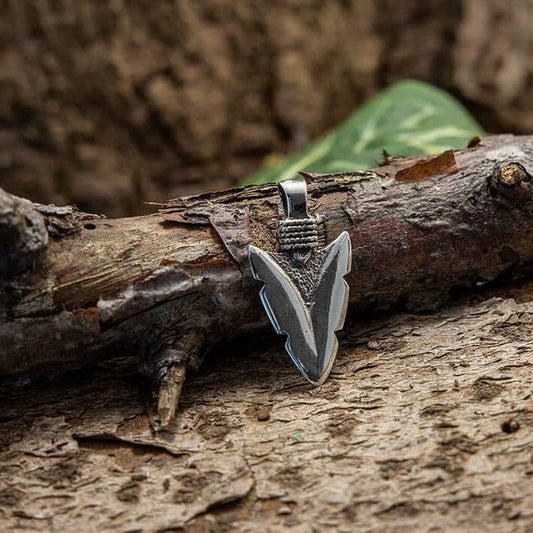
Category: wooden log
[168,285]
[424,425]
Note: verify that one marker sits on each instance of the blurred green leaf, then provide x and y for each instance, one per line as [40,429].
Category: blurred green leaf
[408,118]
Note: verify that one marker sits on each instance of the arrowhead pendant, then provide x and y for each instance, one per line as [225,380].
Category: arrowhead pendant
[305,295]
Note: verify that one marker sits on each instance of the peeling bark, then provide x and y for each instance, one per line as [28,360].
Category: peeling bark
[168,285]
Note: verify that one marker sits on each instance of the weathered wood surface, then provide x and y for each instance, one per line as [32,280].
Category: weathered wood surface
[168,285]
[426,424]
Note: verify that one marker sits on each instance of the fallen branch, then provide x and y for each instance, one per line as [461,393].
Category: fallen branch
[168,285]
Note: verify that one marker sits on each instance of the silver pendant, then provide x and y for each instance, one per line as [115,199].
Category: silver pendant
[305,295]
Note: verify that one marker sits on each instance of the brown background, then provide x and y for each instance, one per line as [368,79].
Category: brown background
[110,104]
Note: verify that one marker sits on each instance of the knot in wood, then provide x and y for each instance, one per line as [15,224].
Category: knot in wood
[513,175]
[511,186]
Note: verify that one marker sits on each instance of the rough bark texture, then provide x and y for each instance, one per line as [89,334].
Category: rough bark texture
[426,424]
[107,104]
[173,283]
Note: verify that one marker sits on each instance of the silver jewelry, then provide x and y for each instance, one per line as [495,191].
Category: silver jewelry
[305,295]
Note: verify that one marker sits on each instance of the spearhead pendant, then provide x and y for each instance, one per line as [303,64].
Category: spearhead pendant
[305,295]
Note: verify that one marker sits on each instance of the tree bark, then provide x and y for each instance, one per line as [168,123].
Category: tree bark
[168,285]
[424,424]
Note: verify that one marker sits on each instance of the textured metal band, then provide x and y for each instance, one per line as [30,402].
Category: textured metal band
[298,234]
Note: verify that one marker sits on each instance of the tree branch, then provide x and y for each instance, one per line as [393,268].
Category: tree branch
[422,229]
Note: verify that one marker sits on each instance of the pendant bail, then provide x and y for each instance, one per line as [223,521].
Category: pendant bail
[293,195]
[298,232]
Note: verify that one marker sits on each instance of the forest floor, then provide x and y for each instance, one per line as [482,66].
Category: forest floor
[425,424]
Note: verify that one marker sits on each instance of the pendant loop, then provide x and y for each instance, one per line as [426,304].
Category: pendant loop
[298,232]
[293,195]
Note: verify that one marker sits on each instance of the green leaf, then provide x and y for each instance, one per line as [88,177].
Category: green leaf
[408,118]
